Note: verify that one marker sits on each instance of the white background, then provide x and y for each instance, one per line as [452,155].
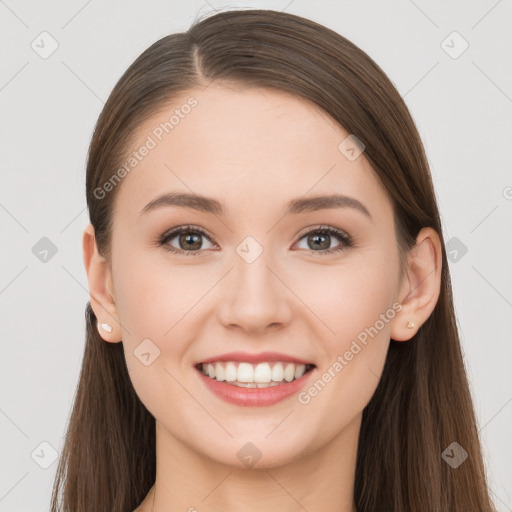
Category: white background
[462,108]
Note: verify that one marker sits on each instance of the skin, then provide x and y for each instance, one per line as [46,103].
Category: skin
[254,150]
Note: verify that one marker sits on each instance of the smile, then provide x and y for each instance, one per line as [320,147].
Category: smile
[249,375]
[256,384]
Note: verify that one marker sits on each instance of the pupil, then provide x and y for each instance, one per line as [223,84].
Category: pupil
[190,238]
[315,238]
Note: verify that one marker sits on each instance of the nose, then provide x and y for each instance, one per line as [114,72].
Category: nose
[255,299]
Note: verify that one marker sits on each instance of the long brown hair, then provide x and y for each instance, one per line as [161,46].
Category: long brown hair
[422,403]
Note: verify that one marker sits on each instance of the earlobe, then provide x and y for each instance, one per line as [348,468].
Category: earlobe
[420,287]
[100,286]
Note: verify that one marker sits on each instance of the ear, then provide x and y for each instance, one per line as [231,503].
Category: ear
[420,285]
[99,276]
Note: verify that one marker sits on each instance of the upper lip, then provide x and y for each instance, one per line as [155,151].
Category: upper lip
[262,357]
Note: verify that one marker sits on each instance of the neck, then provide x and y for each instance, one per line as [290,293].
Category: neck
[319,480]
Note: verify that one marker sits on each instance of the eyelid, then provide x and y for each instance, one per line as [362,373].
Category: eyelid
[345,239]
[323,227]
[177,230]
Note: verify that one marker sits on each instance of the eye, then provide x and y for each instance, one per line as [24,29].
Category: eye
[188,239]
[320,237]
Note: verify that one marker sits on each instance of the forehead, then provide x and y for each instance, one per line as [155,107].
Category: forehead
[244,146]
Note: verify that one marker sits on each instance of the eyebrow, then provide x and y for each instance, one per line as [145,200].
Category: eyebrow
[294,207]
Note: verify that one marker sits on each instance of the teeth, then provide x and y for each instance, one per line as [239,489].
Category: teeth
[245,373]
[277,372]
[262,373]
[230,372]
[289,372]
[250,376]
[220,374]
[300,370]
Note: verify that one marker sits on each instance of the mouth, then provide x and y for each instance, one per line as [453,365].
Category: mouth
[249,375]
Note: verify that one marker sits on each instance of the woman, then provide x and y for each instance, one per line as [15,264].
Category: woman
[271,323]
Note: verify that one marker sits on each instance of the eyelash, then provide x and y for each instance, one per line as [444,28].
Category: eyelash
[344,239]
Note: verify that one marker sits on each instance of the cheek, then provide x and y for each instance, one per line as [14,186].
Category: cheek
[353,305]
[362,302]
[150,303]
[348,297]
[158,305]
[356,305]
[155,298]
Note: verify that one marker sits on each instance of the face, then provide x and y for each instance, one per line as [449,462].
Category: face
[315,285]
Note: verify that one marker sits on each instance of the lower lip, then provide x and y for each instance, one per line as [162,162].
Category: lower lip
[254,397]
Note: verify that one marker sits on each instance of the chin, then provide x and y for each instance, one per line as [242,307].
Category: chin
[244,453]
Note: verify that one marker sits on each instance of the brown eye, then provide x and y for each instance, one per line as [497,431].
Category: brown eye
[186,240]
[319,240]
